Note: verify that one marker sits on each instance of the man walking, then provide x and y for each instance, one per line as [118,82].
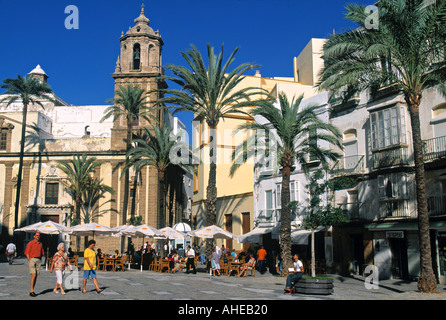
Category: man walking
[34,253]
[190,254]
[261,254]
[11,252]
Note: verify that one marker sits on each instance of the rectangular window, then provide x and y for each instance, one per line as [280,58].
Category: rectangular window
[52,193]
[3,139]
[388,128]
[279,196]
[269,203]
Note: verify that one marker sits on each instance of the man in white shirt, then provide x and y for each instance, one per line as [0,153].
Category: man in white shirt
[296,275]
[190,254]
[11,252]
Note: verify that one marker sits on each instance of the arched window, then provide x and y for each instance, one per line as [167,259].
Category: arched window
[439,120]
[149,52]
[136,56]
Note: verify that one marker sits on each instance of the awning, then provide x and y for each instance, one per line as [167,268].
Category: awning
[387,226]
[300,236]
[253,236]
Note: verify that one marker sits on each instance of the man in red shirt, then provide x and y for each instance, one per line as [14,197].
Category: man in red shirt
[34,253]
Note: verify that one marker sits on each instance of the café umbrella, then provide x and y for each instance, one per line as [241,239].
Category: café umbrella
[212,232]
[170,233]
[91,229]
[143,231]
[47,227]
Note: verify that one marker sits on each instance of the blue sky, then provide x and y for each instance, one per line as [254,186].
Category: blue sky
[79,62]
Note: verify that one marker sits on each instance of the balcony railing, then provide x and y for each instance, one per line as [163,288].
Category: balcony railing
[390,158]
[349,165]
[434,148]
[436,205]
[274,216]
[351,209]
[394,208]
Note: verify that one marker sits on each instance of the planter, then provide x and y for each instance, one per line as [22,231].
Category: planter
[314,286]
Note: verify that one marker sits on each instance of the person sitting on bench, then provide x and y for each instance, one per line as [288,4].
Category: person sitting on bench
[296,273]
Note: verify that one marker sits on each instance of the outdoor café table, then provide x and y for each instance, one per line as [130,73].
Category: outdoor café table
[234,266]
[113,263]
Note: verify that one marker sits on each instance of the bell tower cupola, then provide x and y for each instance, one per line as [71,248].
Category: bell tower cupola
[141,47]
[138,63]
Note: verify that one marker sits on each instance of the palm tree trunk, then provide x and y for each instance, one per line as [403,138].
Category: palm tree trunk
[19,175]
[161,207]
[211,191]
[161,200]
[126,180]
[427,281]
[313,255]
[285,222]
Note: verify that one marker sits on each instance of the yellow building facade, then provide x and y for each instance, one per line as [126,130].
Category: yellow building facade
[235,194]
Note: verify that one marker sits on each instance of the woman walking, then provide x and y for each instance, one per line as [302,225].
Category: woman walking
[60,261]
[90,266]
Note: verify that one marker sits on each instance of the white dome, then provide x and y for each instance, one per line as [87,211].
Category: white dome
[38,70]
[182,227]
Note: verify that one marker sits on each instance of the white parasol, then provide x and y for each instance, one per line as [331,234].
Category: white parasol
[213,232]
[91,229]
[47,227]
[143,231]
[170,233]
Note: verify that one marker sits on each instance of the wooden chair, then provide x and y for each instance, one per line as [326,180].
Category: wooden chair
[182,266]
[155,265]
[164,264]
[73,260]
[251,269]
[196,259]
[109,263]
[121,263]
[223,267]
[100,263]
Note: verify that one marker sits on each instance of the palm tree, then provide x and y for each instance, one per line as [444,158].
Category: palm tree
[30,91]
[296,131]
[210,93]
[78,171]
[130,103]
[94,191]
[156,148]
[407,50]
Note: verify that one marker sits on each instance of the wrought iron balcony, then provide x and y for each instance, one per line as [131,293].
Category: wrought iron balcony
[349,165]
[390,157]
[394,208]
[434,148]
[436,205]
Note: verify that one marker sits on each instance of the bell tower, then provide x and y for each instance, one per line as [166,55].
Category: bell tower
[139,63]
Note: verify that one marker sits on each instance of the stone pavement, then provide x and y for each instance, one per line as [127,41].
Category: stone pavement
[149,285]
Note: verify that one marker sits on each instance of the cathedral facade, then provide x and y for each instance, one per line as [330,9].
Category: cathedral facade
[60,131]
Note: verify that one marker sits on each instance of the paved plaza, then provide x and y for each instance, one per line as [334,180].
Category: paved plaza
[148,285]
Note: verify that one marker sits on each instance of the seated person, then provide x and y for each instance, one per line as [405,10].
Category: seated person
[99,254]
[176,261]
[245,266]
[296,275]
[117,254]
